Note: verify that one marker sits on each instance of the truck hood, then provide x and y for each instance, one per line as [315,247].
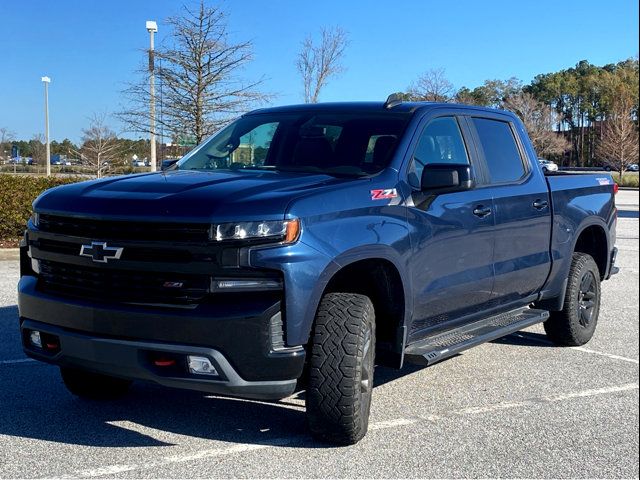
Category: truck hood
[186,195]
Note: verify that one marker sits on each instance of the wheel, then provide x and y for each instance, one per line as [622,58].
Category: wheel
[93,386]
[341,368]
[545,170]
[575,324]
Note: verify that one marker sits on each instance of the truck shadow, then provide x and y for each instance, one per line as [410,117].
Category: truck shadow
[34,404]
[526,339]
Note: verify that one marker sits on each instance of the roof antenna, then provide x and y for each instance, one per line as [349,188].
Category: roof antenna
[393,100]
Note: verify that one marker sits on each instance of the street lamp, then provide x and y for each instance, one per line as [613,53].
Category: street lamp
[47,81]
[152,28]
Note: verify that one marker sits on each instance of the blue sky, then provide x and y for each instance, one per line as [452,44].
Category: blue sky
[90,48]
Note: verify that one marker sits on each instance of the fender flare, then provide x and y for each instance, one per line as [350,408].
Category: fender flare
[351,256]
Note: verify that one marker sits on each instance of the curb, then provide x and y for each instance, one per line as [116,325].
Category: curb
[9,254]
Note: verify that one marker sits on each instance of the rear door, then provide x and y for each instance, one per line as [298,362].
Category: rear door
[522,209]
[452,234]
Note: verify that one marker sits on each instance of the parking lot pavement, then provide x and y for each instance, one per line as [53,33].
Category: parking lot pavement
[517,407]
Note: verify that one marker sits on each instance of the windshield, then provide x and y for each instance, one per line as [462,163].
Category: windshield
[332,143]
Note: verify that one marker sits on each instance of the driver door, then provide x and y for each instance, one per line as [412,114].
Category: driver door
[452,234]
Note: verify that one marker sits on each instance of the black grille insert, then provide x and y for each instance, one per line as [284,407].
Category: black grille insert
[110,285]
[130,253]
[124,230]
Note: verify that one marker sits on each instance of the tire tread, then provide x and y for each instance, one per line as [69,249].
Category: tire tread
[333,394]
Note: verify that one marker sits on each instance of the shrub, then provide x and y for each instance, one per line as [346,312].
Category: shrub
[629,179]
[17,193]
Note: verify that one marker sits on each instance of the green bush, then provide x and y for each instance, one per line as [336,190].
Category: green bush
[629,179]
[17,193]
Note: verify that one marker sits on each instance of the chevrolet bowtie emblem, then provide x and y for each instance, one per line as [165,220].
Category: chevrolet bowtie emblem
[100,252]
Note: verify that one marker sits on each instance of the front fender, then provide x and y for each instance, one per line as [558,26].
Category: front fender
[306,273]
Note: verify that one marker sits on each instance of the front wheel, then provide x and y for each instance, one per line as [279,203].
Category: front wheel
[93,386]
[576,323]
[341,368]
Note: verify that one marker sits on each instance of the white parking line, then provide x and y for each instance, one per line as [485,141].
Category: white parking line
[608,355]
[18,360]
[544,341]
[111,470]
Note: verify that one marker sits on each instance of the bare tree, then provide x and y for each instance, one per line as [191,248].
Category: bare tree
[619,142]
[318,63]
[38,150]
[100,147]
[539,120]
[197,77]
[6,137]
[432,86]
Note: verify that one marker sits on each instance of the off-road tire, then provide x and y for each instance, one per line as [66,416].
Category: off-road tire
[341,368]
[575,324]
[93,386]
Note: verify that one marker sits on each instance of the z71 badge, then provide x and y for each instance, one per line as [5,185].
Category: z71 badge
[383,194]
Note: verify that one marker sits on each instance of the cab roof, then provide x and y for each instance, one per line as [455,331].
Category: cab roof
[368,107]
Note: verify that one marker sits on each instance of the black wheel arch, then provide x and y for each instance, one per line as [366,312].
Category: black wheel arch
[381,281]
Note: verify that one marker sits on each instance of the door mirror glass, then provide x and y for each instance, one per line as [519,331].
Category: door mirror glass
[446,177]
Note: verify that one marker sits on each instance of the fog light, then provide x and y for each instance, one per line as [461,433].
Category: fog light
[201,366]
[34,338]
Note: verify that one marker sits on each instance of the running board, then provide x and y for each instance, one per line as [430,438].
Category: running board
[447,344]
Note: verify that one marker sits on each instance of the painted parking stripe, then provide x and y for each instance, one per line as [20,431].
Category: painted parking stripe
[608,355]
[387,424]
[18,360]
[544,341]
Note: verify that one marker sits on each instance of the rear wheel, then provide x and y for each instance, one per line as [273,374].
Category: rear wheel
[341,368]
[576,323]
[93,386]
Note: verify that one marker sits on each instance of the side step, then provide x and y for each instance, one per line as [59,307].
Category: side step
[447,344]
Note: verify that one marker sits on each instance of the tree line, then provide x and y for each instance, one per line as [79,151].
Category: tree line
[585,115]
[582,116]
[100,150]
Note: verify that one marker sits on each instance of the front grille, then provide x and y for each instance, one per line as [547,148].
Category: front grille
[123,230]
[109,285]
[130,253]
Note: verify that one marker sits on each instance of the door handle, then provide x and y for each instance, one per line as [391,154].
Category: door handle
[481,211]
[540,204]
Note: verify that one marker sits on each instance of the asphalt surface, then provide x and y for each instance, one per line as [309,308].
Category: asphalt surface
[518,407]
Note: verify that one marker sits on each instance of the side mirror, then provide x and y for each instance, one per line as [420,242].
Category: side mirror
[167,164]
[447,177]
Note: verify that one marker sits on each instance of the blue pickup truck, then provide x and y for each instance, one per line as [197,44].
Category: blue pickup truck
[300,246]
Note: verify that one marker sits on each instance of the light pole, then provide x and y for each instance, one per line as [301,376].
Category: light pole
[47,81]
[152,28]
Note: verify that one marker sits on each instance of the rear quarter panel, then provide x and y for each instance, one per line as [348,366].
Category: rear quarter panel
[578,201]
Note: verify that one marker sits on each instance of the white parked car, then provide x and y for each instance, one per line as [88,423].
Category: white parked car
[633,167]
[547,165]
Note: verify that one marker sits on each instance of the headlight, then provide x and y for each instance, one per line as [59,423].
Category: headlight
[35,219]
[286,231]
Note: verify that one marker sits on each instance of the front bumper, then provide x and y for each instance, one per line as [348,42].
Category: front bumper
[235,334]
